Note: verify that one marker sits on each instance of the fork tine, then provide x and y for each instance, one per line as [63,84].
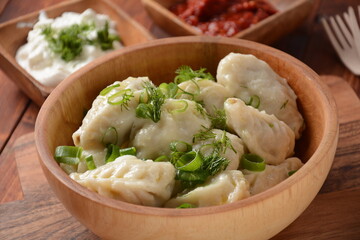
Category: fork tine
[331,36]
[348,36]
[338,33]
[352,22]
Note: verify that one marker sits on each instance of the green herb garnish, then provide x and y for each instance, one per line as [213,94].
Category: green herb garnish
[121,98]
[254,101]
[108,89]
[68,154]
[151,108]
[186,205]
[291,172]
[252,162]
[218,119]
[69,42]
[105,39]
[186,73]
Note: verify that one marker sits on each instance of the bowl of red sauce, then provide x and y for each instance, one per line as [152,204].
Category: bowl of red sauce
[258,20]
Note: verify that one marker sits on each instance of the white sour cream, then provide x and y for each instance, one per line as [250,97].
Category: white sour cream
[47,67]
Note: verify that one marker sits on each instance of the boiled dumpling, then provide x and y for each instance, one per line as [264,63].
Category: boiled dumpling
[272,175]
[131,180]
[210,93]
[180,120]
[262,134]
[233,153]
[105,118]
[226,187]
[247,77]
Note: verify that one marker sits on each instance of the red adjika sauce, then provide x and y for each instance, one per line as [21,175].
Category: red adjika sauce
[222,17]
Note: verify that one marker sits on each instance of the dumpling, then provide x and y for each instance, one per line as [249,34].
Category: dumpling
[180,120]
[227,187]
[262,134]
[212,94]
[247,77]
[272,175]
[131,180]
[232,154]
[104,118]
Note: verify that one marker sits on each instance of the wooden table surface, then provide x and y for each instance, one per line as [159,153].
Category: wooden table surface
[308,43]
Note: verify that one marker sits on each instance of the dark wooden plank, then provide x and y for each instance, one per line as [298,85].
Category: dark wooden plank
[12,106]
[10,187]
[334,214]
[40,215]
[320,55]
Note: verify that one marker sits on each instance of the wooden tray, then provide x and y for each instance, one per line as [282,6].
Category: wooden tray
[334,214]
[289,16]
[129,30]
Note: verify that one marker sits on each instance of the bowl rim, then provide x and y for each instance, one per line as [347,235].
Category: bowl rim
[47,160]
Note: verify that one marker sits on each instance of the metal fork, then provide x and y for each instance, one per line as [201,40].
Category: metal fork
[345,39]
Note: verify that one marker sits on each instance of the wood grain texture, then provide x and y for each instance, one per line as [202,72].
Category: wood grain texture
[10,188]
[130,31]
[334,213]
[289,16]
[316,147]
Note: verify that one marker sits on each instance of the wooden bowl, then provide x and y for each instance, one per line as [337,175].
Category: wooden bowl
[290,14]
[130,31]
[258,217]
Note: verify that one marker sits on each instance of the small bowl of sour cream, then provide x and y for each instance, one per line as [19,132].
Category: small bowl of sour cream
[53,43]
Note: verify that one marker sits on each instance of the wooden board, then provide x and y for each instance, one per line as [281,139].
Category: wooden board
[334,214]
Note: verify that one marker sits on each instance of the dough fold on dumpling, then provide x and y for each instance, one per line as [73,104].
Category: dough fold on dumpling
[272,175]
[131,180]
[103,116]
[210,93]
[180,120]
[226,187]
[262,134]
[246,77]
[233,152]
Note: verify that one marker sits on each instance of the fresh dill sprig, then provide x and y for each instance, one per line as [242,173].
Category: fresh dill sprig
[218,119]
[185,73]
[151,108]
[69,42]
[203,135]
[121,98]
[105,39]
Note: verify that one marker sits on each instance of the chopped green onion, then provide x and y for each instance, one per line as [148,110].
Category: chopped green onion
[252,162]
[113,152]
[182,109]
[189,162]
[291,172]
[254,101]
[122,97]
[180,146]
[194,177]
[110,136]
[128,151]
[108,89]
[90,162]
[169,89]
[68,154]
[186,205]
[162,158]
